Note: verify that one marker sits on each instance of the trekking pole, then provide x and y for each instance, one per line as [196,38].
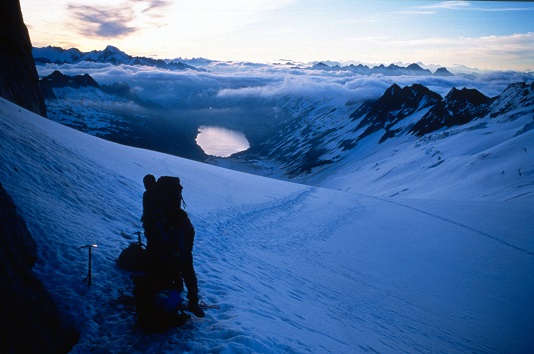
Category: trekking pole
[88,277]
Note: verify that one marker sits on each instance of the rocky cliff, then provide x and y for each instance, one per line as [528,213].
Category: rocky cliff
[19,81]
[29,319]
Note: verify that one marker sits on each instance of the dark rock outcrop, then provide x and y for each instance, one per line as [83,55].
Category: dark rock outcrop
[457,108]
[443,72]
[395,104]
[58,80]
[29,319]
[19,82]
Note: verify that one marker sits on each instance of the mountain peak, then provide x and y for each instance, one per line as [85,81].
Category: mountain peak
[112,54]
[443,72]
[57,80]
[393,90]
[113,49]
[409,93]
[395,105]
[414,67]
[320,65]
[459,107]
[472,96]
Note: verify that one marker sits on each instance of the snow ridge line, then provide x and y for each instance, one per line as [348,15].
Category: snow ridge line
[501,241]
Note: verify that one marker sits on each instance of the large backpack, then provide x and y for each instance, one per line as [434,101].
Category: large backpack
[169,237]
[170,193]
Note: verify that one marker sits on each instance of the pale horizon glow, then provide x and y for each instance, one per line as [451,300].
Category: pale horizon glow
[488,35]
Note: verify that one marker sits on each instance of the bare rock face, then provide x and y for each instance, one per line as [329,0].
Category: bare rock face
[19,81]
[30,321]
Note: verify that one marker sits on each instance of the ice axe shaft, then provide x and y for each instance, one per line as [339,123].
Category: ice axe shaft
[138,233]
[88,277]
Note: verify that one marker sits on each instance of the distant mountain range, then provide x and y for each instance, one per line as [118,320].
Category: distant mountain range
[390,70]
[110,55]
[115,56]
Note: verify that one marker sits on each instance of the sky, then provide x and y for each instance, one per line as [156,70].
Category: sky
[487,35]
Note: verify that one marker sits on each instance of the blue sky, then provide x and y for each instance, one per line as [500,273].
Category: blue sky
[480,34]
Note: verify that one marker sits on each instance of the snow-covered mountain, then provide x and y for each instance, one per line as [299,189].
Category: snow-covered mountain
[113,55]
[390,70]
[110,54]
[295,268]
[361,151]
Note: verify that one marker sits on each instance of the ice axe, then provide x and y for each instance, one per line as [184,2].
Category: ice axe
[139,242]
[88,277]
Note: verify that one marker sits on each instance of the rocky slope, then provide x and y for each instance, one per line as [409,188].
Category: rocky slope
[30,321]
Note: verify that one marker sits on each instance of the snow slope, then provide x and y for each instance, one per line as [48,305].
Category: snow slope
[485,159]
[294,268]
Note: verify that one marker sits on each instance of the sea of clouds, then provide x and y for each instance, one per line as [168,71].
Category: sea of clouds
[217,82]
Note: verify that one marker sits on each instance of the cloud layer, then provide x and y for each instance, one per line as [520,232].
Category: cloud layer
[231,82]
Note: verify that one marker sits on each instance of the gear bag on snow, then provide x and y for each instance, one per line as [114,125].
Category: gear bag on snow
[134,257]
